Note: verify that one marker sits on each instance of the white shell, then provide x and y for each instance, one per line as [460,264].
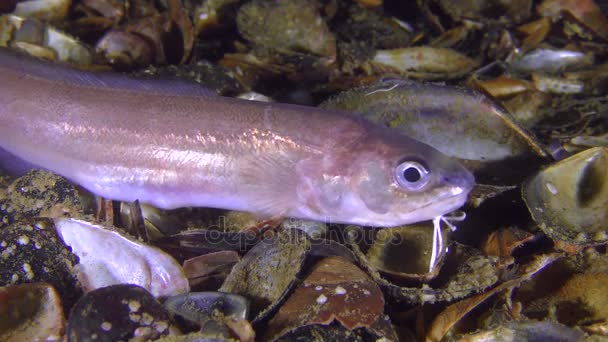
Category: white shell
[108,258]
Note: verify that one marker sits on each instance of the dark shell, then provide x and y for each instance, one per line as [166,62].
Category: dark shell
[117,312]
[406,252]
[334,290]
[199,307]
[570,291]
[192,243]
[32,252]
[369,26]
[268,271]
[287,26]
[466,271]
[41,193]
[30,312]
[207,272]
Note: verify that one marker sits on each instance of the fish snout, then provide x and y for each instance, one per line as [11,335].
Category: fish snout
[458,178]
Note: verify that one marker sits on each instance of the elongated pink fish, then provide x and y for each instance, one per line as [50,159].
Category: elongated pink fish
[172,145]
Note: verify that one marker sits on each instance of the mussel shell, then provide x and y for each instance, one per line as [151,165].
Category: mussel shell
[569,199]
[117,312]
[192,243]
[269,271]
[405,252]
[202,306]
[335,290]
[465,271]
[570,291]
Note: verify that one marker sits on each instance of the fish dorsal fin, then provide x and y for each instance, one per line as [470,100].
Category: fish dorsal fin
[127,83]
[61,73]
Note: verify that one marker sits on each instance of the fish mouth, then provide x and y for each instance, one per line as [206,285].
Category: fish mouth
[456,198]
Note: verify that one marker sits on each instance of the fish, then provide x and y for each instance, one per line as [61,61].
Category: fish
[173,144]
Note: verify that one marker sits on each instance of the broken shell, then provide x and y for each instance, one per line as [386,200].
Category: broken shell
[502,87]
[451,37]
[192,243]
[30,312]
[458,122]
[568,199]
[586,13]
[107,8]
[429,63]
[47,10]
[502,242]
[200,307]
[407,252]
[536,31]
[133,222]
[209,271]
[451,316]
[526,108]
[336,290]
[118,312]
[268,271]
[570,291]
[465,271]
[103,252]
[125,50]
[51,44]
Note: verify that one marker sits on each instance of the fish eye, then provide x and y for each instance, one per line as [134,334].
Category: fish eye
[412,175]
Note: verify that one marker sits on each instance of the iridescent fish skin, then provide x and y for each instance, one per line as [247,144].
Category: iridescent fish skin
[173,145]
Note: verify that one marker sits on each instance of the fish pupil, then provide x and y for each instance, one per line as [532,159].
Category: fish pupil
[412,174]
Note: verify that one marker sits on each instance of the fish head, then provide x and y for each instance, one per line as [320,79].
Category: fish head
[387,179]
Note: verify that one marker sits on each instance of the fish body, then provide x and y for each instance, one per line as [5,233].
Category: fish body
[173,145]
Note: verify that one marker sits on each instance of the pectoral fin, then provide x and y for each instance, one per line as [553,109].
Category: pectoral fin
[270,185]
